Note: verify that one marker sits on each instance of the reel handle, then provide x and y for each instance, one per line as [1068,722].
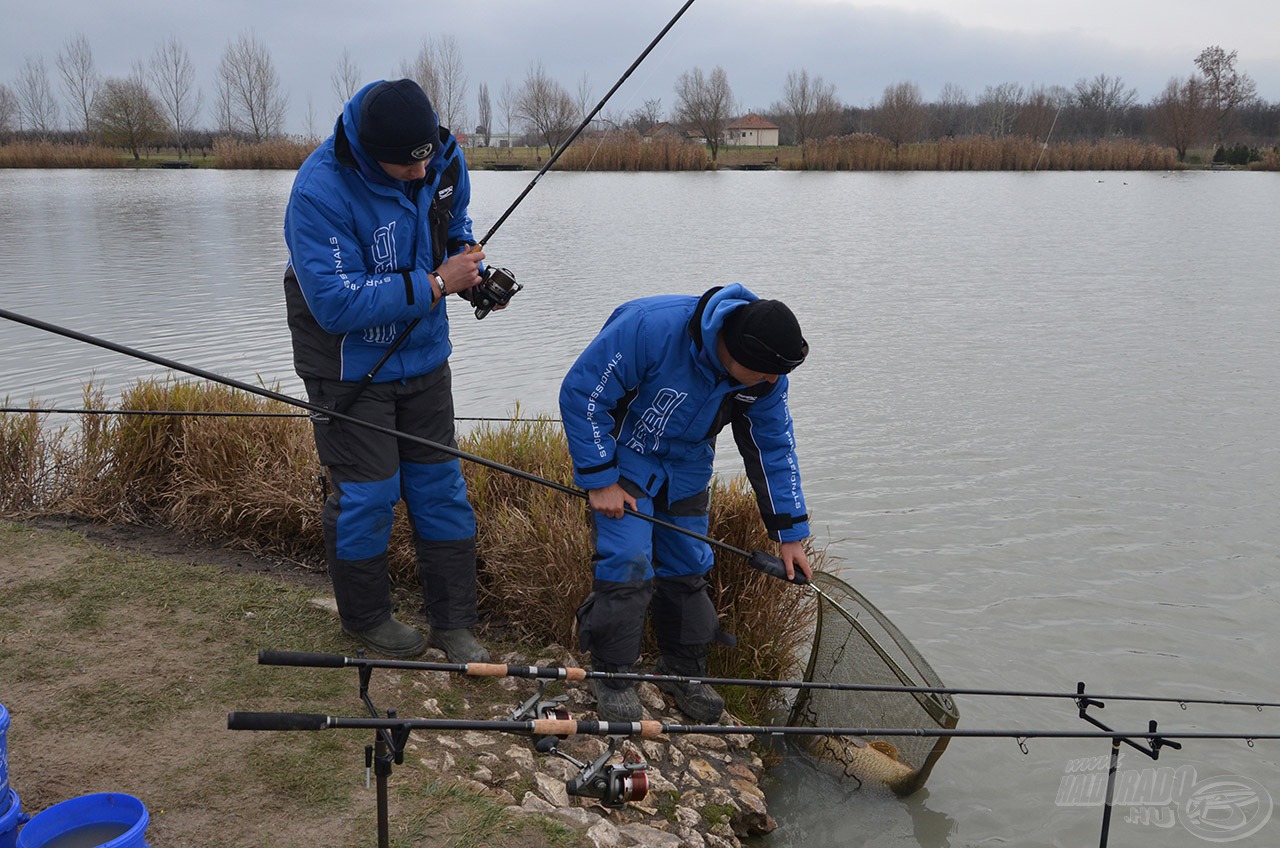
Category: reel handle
[774,567]
[301,658]
[237,720]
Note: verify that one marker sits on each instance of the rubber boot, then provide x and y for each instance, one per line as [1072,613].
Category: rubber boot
[459,646]
[696,700]
[616,700]
[391,638]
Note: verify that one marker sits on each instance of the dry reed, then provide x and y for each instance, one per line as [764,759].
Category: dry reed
[633,154]
[864,152]
[46,154]
[251,483]
[282,155]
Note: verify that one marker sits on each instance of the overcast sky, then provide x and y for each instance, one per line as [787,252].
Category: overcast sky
[860,47]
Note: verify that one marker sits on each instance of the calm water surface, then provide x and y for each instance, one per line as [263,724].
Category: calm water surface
[1039,426]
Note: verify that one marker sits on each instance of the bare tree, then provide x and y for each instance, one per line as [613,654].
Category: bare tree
[507,99]
[582,97]
[1038,115]
[79,79]
[126,114]
[900,115]
[1226,89]
[37,110]
[345,79]
[424,69]
[809,107]
[8,110]
[173,80]
[1180,114]
[998,108]
[249,89]
[545,107]
[1101,101]
[643,118]
[450,99]
[705,103]
[484,127]
[952,113]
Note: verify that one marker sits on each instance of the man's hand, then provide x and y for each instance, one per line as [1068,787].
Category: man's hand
[611,500]
[461,271]
[793,556]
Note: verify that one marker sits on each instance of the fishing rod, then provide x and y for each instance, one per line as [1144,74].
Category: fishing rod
[237,720]
[214,414]
[759,560]
[499,285]
[318,660]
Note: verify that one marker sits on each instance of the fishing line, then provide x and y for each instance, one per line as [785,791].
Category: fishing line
[318,660]
[215,414]
[758,560]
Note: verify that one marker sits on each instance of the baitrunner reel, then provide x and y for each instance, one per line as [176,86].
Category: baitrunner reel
[614,786]
[498,287]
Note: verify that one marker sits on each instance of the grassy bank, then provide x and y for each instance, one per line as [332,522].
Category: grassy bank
[119,669]
[251,483]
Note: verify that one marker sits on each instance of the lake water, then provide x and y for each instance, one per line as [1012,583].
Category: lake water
[1040,425]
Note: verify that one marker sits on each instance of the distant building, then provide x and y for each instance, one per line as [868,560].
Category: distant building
[751,130]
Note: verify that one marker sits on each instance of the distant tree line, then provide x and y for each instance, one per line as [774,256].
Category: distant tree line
[159,103]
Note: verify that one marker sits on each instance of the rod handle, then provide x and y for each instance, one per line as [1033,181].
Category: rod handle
[237,720]
[301,658]
[774,567]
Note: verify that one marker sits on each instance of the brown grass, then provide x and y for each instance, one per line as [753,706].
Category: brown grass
[864,152]
[1270,160]
[252,484]
[632,154]
[268,155]
[46,154]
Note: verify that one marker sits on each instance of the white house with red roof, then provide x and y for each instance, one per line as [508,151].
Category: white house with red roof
[751,130]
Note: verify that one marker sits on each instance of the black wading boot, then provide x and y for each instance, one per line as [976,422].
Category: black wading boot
[459,646]
[616,700]
[391,638]
[696,700]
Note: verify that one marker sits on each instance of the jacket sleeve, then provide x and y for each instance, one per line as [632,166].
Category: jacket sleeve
[767,441]
[460,225]
[607,371]
[340,291]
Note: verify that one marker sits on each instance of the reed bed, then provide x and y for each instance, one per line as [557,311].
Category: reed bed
[632,154]
[252,484]
[283,155]
[865,152]
[46,154]
[1270,161]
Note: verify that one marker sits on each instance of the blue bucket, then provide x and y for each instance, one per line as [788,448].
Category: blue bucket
[102,820]
[4,761]
[10,819]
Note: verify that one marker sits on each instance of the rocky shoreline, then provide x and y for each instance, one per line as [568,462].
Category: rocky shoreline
[703,790]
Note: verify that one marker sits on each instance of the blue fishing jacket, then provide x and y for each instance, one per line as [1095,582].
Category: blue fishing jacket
[362,246]
[648,396]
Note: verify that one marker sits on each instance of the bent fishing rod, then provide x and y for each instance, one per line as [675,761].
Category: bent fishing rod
[237,720]
[318,660]
[499,285]
[759,560]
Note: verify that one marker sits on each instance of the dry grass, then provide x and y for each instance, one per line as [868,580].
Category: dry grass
[46,154]
[1270,161]
[632,154]
[283,155]
[864,152]
[252,484]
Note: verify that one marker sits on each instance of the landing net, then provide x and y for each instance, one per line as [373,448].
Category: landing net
[855,642]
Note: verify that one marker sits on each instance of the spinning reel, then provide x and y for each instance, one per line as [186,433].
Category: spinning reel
[614,786]
[498,287]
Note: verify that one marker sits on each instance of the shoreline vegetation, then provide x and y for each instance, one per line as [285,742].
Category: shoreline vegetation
[857,152]
[252,484]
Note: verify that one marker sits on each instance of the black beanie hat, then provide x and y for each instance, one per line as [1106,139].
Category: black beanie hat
[397,123]
[764,336]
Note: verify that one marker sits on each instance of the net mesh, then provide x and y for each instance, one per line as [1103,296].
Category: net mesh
[855,642]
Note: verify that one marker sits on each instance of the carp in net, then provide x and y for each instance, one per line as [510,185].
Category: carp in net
[854,642]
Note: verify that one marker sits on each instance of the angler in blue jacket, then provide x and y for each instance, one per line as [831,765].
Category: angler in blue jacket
[378,233]
[642,407]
